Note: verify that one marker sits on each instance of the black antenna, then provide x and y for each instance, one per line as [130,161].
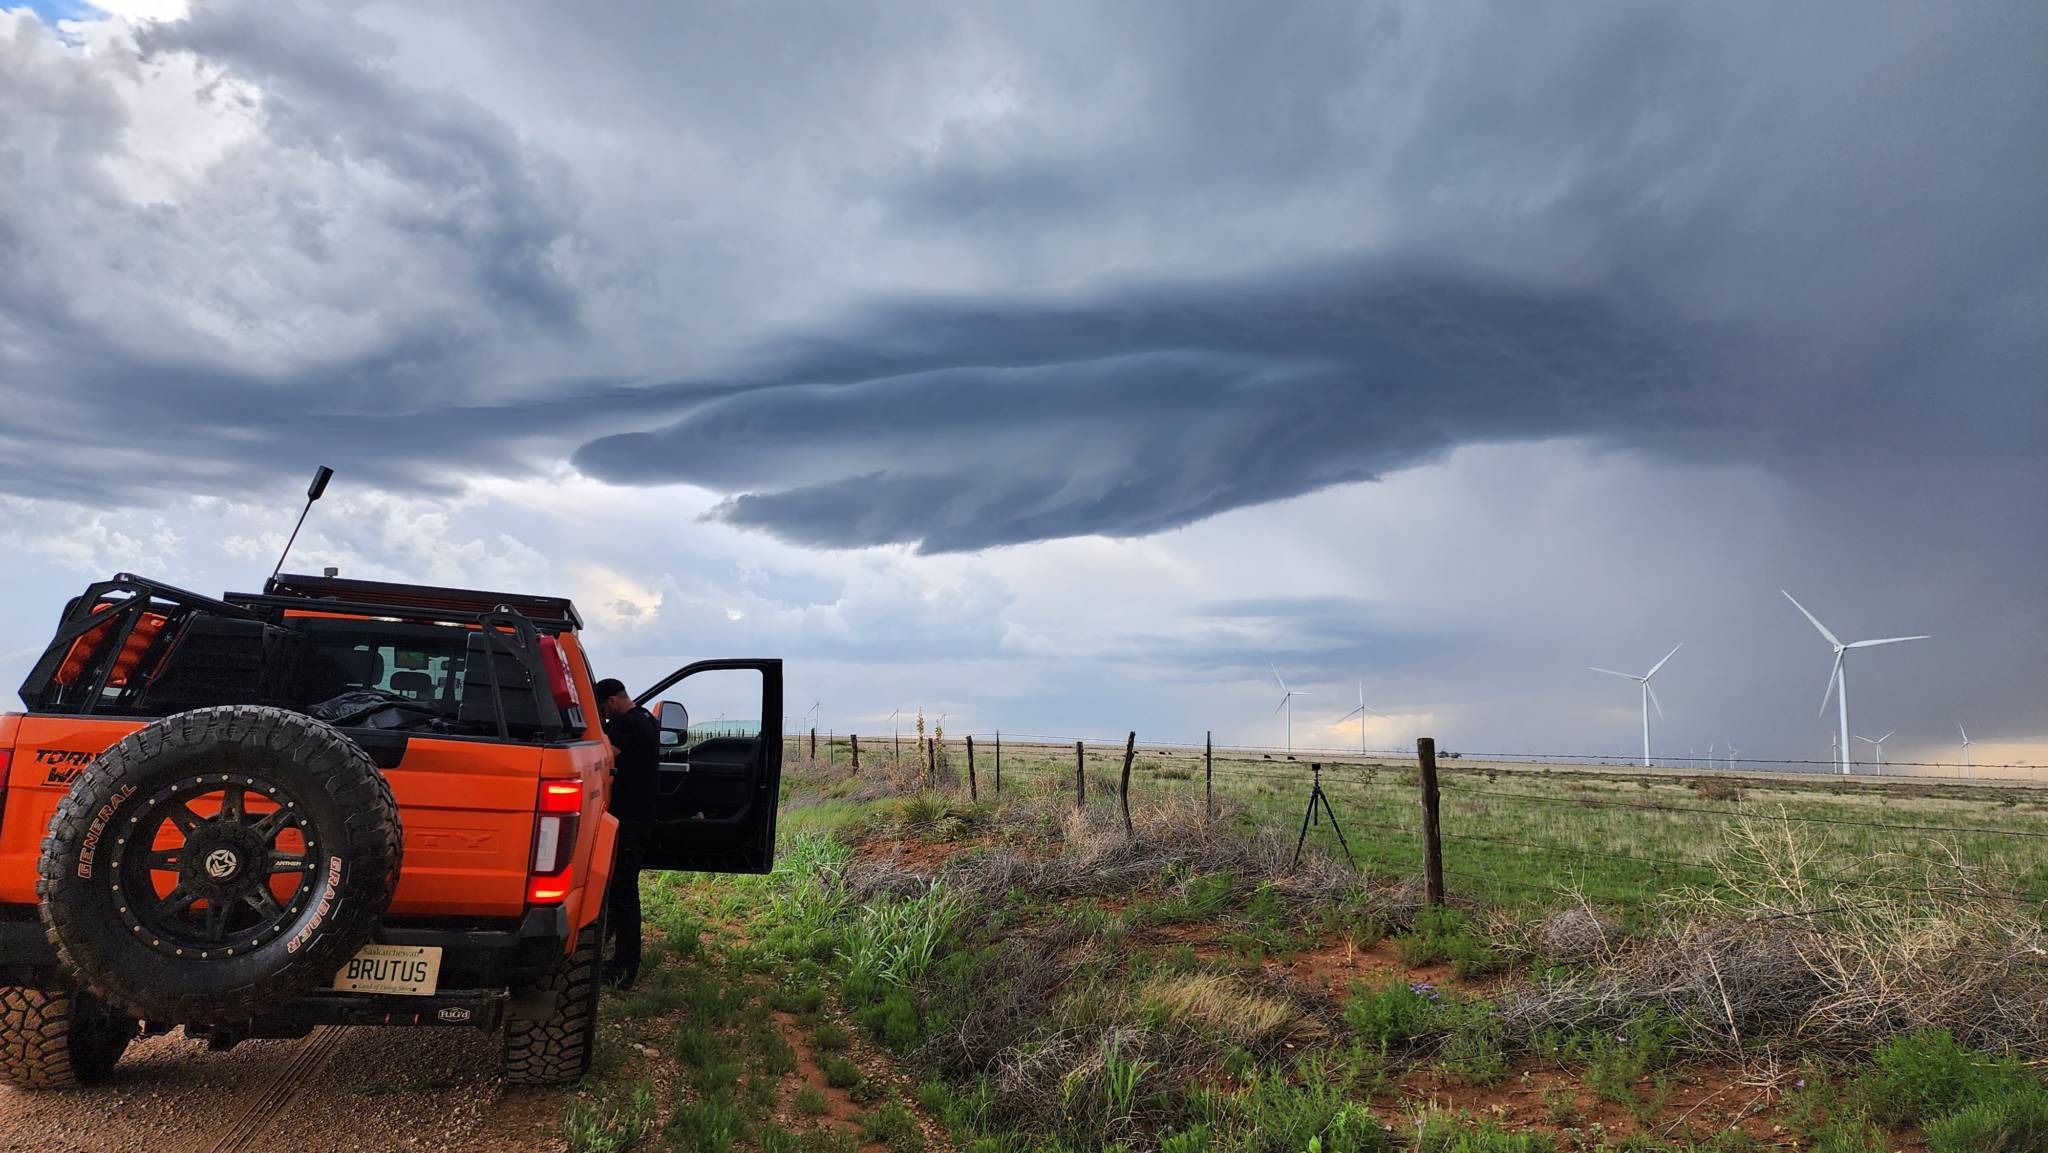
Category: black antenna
[321,476]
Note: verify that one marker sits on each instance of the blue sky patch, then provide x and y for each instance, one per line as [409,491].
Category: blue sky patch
[51,11]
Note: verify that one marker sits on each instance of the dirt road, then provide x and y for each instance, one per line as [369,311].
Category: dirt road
[353,1090]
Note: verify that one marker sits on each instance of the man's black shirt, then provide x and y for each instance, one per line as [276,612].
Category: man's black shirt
[638,739]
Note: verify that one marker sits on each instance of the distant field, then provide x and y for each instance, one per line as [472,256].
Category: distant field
[929,968]
[1621,837]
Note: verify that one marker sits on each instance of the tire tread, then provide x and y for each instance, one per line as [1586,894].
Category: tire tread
[372,845]
[558,1049]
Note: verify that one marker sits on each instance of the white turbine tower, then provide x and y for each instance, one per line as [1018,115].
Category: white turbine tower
[1649,694]
[1877,743]
[1967,742]
[1358,712]
[1838,679]
[1287,696]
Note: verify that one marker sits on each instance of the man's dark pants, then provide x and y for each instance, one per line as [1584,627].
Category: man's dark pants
[625,895]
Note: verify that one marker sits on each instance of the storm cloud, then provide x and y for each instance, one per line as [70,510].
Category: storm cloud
[1157,407]
[950,276]
[979,275]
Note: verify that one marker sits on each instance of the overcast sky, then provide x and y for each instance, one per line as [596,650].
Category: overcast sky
[1059,366]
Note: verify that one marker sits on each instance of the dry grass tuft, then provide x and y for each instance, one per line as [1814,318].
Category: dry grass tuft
[1569,936]
[1783,951]
[1223,1006]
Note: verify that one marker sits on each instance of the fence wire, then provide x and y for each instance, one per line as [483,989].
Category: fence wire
[1376,802]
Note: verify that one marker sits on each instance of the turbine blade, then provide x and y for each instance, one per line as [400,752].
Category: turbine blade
[1282,704]
[1834,675]
[1886,737]
[1809,616]
[1884,641]
[1349,715]
[1656,702]
[1660,664]
[1965,732]
[1612,673]
[1277,676]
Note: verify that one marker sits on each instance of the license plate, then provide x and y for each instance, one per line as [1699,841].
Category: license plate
[407,970]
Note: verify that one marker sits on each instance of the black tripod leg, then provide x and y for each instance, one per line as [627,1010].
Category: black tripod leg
[1339,830]
[1303,838]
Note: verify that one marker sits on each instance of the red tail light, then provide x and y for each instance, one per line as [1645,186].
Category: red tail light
[561,796]
[561,681]
[558,816]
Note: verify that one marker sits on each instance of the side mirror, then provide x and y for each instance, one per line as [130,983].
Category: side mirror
[674,720]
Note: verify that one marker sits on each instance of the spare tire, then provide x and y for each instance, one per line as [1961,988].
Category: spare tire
[218,863]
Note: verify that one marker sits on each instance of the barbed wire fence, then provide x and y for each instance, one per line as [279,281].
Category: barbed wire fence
[1492,826]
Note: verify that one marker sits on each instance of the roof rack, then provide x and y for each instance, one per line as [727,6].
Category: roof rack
[384,598]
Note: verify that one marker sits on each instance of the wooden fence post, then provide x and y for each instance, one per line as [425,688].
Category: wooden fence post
[1208,775]
[828,748]
[999,762]
[1080,777]
[814,744]
[973,790]
[854,738]
[1432,838]
[931,753]
[1124,787]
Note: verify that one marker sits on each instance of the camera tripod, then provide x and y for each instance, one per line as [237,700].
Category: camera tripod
[1319,800]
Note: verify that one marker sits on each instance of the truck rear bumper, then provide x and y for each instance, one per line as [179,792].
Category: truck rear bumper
[455,1008]
[492,956]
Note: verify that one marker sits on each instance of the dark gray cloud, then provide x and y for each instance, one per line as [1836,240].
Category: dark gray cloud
[966,425]
[1081,261]
[967,275]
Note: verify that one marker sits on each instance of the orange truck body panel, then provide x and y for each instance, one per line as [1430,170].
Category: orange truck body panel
[467,807]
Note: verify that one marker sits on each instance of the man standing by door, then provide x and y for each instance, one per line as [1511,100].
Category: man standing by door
[636,747]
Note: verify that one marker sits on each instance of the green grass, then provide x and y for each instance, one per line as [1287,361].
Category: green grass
[1148,1042]
[614,1123]
[840,1073]
[1623,841]
[894,1126]
[811,1101]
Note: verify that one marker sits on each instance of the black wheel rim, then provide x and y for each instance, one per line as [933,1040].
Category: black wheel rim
[214,865]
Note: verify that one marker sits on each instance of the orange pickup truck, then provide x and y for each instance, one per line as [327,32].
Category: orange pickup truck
[334,802]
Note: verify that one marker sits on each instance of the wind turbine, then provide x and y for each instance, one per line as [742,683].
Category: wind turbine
[1287,696]
[1838,680]
[1649,694]
[1358,712]
[1878,744]
[1967,742]
[1731,751]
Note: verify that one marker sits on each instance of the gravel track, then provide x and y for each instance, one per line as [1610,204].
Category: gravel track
[357,1090]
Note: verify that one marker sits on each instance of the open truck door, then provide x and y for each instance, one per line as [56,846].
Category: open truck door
[720,771]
